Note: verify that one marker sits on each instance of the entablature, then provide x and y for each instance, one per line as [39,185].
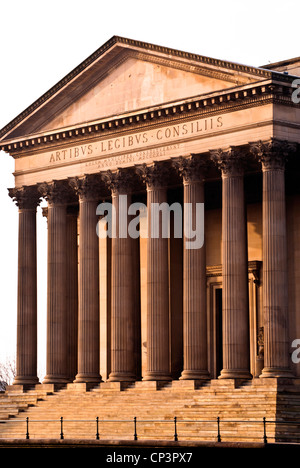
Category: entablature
[228,100]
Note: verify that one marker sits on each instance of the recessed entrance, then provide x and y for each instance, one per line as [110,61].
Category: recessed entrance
[219,330]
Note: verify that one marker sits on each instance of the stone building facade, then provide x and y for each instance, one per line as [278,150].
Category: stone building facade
[136,125]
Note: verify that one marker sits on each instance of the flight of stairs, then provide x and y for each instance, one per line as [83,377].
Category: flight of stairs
[71,412]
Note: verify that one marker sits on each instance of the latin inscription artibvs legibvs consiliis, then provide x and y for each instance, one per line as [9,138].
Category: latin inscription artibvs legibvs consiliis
[137,140]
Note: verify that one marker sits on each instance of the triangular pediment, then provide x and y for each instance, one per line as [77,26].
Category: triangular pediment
[125,76]
[132,85]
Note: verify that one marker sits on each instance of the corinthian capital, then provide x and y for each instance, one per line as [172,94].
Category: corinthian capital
[120,181]
[87,187]
[26,197]
[230,161]
[56,191]
[190,168]
[154,175]
[272,153]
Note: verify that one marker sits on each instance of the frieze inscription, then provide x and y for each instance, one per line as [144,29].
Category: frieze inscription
[132,157]
[136,141]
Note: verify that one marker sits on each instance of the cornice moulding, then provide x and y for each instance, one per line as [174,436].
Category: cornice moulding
[118,46]
[259,93]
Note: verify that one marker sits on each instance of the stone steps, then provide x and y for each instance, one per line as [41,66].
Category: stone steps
[154,406]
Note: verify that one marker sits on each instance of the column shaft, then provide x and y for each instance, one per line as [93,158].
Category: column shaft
[27,199]
[88,308]
[274,272]
[235,313]
[272,154]
[122,305]
[57,194]
[72,292]
[194,291]
[195,359]
[158,340]
[158,358]
[275,283]
[136,288]
[235,281]
[56,296]
[27,300]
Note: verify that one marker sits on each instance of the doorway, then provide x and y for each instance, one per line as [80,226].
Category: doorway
[218,331]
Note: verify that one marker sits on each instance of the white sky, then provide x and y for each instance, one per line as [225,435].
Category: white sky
[41,41]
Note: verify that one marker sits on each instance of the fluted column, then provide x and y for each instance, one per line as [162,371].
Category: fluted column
[72,290]
[235,311]
[194,272]
[88,281]
[122,303]
[27,199]
[57,196]
[158,347]
[272,155]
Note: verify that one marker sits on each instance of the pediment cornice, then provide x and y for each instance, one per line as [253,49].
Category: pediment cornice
[113,52]
[229,100]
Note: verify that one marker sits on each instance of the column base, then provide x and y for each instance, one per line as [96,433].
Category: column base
[235,374]
[194,375]
[121,377]
[88,378]
[26,381]
[276,372]
[157,377]
[55,379]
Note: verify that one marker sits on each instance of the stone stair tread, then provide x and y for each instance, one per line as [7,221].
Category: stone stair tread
[196,410]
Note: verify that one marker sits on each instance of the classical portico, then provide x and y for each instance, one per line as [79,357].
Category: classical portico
[213,134]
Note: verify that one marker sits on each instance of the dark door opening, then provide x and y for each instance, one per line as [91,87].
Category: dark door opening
[219,332]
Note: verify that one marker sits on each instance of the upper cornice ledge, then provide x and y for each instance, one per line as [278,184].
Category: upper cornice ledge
[255,94]
[117,41]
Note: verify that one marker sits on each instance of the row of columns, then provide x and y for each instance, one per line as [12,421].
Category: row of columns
[272,155]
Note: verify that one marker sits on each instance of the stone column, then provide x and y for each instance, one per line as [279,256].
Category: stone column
[27,199]
[272,155]
[72,290]
[194,271]
[57,196]
[136,287]
[122,303]
[87,189]
[235,315]
[158,347]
